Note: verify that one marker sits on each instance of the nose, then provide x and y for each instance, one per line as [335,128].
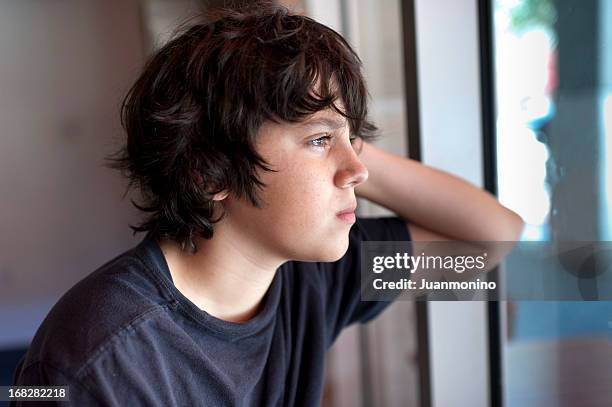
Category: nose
[351,171]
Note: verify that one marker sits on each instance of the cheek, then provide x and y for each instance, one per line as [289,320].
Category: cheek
[299,194]
[298,217]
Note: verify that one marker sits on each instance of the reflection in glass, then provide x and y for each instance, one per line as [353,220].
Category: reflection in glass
[553,82]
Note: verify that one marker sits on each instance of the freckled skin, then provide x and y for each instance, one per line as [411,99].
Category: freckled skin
[298,218]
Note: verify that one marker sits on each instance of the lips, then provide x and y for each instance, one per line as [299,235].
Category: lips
[350,209]
[348,214]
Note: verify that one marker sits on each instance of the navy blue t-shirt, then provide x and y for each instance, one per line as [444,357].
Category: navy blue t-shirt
[125,335]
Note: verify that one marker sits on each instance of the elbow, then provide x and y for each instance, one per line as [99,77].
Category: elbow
[512,228]
[508,232]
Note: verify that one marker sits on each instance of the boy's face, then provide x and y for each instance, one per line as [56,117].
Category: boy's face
[318,169]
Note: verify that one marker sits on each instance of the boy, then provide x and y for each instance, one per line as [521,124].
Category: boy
[249,140]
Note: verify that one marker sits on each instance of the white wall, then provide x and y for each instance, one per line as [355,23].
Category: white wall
[449,91]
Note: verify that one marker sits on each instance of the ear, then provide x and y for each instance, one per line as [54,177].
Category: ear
[220,196]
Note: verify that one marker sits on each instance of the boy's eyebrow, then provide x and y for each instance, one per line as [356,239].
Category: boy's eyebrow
[324,121]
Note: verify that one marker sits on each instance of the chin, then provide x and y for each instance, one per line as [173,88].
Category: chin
[334,253]
[325,250]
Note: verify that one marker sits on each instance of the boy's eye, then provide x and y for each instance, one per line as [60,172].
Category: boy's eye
[321,141]
[324,141]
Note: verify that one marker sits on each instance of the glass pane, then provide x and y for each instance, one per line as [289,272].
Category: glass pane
[553,85]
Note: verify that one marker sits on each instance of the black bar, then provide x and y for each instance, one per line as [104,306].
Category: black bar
[489,114]
[411,82]
[414,152]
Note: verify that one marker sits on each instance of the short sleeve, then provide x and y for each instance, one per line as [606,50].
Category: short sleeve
[342,278]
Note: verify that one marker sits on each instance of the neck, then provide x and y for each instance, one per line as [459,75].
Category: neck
[228,276]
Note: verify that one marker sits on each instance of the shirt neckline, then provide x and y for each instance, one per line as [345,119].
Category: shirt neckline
[150,252]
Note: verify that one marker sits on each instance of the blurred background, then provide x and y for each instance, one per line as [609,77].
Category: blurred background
[511,95]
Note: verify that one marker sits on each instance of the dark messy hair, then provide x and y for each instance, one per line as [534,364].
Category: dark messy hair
[192,116]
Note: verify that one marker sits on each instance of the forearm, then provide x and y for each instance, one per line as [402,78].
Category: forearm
[434,199]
